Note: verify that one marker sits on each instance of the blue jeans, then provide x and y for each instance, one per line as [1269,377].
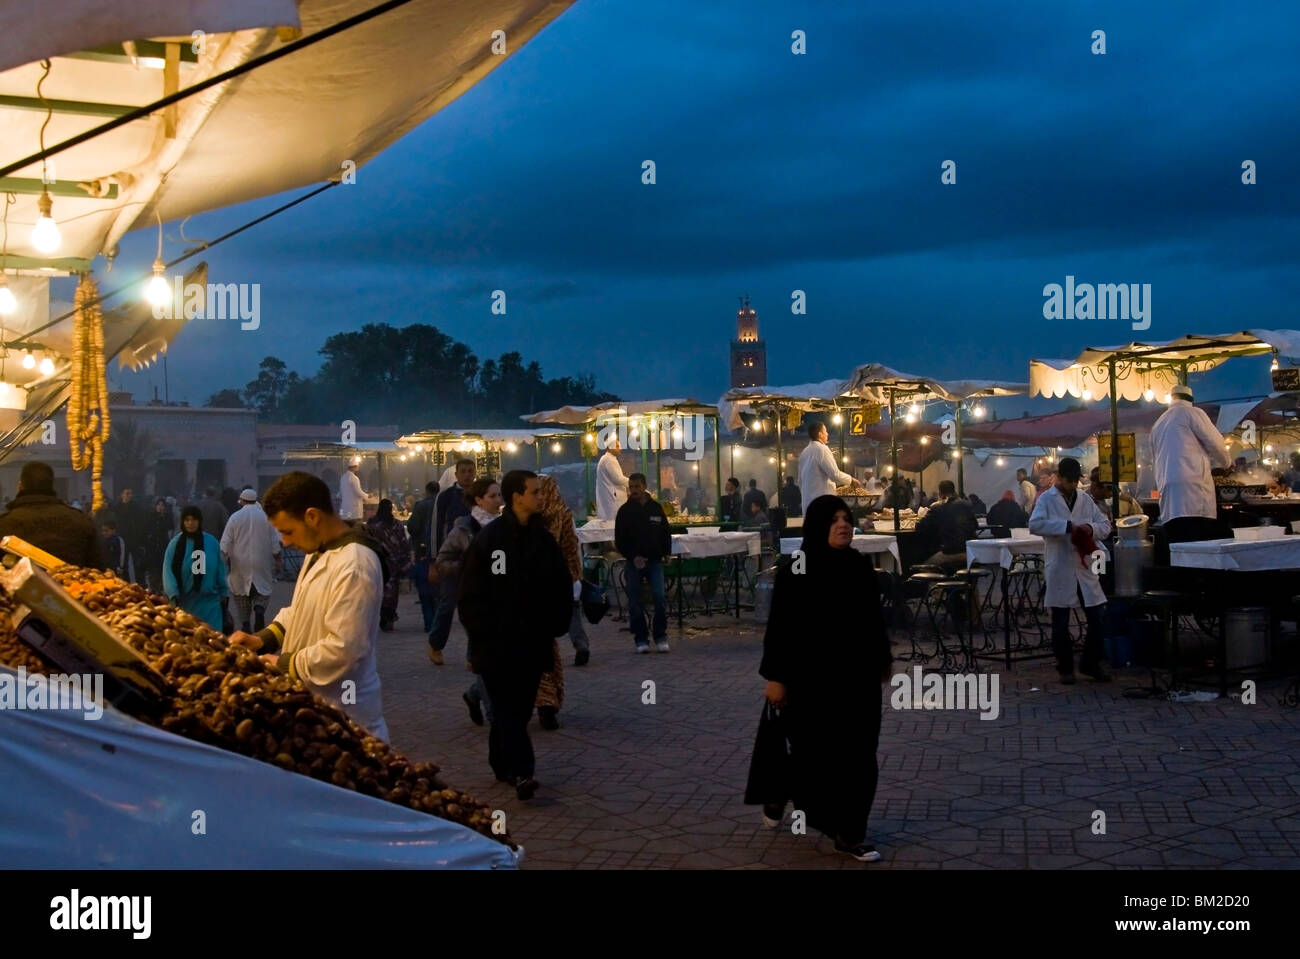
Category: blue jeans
[654,572]
[577,634]
[441,628]
[478,693]
[427,592]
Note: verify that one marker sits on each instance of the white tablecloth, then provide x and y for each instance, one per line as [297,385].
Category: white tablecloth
[700,545]
[1001,552]
[884,546]
[596,531]
[1280,553]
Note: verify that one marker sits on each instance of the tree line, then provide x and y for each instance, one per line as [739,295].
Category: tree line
[414,377]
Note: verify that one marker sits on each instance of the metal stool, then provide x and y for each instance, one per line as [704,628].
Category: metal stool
[919,586]
[953,594]
[973,575]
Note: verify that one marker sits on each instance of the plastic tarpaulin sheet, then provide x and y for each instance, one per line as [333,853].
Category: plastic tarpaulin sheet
[117,793]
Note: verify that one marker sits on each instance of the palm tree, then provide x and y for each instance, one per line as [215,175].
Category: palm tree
[129,455]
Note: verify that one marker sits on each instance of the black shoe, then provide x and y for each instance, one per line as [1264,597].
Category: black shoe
[546,716]
[581,657]
[1096,673]
[1067,679]
[862,852]
[475,713]
[525,787]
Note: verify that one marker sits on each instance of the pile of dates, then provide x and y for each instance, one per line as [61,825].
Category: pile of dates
[224,695]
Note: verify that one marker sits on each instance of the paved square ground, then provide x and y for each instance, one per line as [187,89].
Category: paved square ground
[630,785]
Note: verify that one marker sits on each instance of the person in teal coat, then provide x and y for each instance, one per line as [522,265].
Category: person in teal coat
[202,595]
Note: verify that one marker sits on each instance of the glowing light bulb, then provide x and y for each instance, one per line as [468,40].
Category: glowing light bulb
[844,458]
[7,302]
[837,419]
[1269,447]
[47,366]
[510,447]
[771,459]
[402,457]
[1274,366]
[555,447]
[45,234]
[677,432]
[910,418]
[1166,399]
[925,441]
[914,410]
[1087,395]
[29,361]
[889,469]
[654,424]
[956,454]
[156,291]
[979,411]
[1001,462]
[1149,394]
[591,438]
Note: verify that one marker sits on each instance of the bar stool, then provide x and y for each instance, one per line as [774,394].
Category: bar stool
[980,597]
[954,595]
[920,587]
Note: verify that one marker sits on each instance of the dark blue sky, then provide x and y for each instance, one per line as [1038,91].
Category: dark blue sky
[819,172]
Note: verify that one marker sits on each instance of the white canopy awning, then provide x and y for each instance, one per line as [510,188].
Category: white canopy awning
[1154,366]
[875,381]
[805,396]
[456,437]
[300,120]
[579,415]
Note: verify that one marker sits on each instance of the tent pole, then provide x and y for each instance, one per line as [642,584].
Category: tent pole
[586,470]
[379,462]
[1114,445]
[961,469]
[717,460]
[780,456]
[893,460]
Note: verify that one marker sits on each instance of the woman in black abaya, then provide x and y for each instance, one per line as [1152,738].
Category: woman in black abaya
[825,654]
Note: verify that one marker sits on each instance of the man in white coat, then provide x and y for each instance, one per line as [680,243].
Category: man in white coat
[1073,528]
[250,546]
[352,497]
[1187,447]
[326,636]
[818,474]
[611,484]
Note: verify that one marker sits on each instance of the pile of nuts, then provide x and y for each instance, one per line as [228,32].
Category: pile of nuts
[13,651]
[224,695]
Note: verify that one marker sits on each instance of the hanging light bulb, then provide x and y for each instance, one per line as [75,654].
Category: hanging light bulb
[1149,394]
[845,459]
[1087,396]
[837,419]
[45,234]
[1001,462]
[591,438]
[1166,399]
[1274,366]
[979,411]
[914,410]
[156,291]
[771,459]
[29,361]
[555,447]
[956,454]
[47,366]
[909,418]
[7,302]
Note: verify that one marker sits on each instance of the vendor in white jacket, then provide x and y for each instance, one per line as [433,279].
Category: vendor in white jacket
[352,497]
[1073,528]
[611,484]
[326,637]
[818,474]
[1187,447]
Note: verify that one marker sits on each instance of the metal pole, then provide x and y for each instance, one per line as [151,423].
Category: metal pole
[780,456]
[893,461]
[587,449]
[1114,445]
[717,460]
[961,470]
[537,445]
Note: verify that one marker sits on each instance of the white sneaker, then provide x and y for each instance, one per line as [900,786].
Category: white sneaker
[662,646]
[643,647]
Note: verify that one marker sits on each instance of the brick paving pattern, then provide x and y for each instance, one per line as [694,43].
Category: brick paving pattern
[627,785]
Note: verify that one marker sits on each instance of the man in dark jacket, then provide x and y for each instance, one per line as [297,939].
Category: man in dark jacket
[946,528]
[729,510]
[791,497]
[516,596]
[752,495]
[1007,512]
[214,514]
[420,530]
[45,521]
[641,534]
[450,506]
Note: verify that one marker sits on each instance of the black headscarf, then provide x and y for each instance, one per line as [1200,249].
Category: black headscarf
[182,558]
[817,521]
[384,514]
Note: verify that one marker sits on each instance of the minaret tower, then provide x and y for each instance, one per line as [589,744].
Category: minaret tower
[748,352]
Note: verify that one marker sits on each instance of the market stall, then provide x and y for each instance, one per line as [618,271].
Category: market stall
[346,454]
[177,709]
[644,426]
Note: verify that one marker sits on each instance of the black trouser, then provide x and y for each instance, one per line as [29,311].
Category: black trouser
[1195,529]
[1064,648]
[513,691]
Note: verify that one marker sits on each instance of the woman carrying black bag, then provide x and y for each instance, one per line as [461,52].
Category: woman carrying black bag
[825,654]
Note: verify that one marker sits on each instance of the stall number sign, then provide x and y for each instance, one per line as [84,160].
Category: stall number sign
[859,420]
[1127,457]
[1286,380]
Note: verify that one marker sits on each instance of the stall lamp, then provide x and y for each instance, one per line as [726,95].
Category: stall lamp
[1274,366]
[1149,394]
[7,302]
[591,438]
[889,469]
[914,410]
[910,418]
[1001,462]
[47,366]
[1087,396]
[555,447]
[1166,399]
[978,411]
[771,459]
[45,234]
[402,457]
[837,419]
[157,292]
[29,361]
[1269,448]
[510,447]
[845,459]
[677,432]
[956,454]
[696,467]
[925,441]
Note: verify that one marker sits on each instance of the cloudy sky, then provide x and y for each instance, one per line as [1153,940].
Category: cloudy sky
[819,172]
